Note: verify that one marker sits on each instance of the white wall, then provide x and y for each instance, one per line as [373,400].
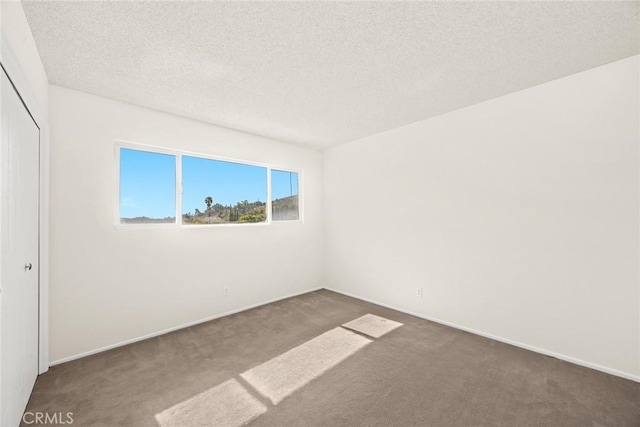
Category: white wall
[21,60]
[518,217]
[110,285]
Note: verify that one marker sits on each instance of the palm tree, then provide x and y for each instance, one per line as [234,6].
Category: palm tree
[208,201]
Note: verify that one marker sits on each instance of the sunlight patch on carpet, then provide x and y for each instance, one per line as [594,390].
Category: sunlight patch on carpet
[372,325]
[284,374]
[228,404]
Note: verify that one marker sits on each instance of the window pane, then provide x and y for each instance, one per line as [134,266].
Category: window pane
[284,195]
[147,187]
[217,192]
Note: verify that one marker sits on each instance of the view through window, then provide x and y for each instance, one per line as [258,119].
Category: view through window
[217,192]
[284,196]
[212,191]
[147,187]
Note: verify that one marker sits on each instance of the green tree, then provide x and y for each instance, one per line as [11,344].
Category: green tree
[259,217]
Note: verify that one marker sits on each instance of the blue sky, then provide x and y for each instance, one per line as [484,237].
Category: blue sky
[147,183]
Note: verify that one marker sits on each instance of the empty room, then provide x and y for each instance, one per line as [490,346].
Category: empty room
[319,213]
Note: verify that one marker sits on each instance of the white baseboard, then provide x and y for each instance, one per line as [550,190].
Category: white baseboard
[569,359]
[175,328]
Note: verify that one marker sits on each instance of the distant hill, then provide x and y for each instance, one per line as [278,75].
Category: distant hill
[147,220]
[242,212]
[285,209]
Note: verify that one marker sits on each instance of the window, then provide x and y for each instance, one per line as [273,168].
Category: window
[169,187]
[284,196]
[218,192]
[147,187]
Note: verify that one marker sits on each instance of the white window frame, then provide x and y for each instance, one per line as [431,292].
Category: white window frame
[119,144]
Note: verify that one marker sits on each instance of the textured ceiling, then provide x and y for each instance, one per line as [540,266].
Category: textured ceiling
[322,73]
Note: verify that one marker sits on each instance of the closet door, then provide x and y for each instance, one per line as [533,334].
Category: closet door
[19,213]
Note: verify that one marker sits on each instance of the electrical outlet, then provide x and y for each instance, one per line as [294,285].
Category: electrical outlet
[419,292]
[225,291]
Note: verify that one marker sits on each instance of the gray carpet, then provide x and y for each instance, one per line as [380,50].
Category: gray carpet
[421,374]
